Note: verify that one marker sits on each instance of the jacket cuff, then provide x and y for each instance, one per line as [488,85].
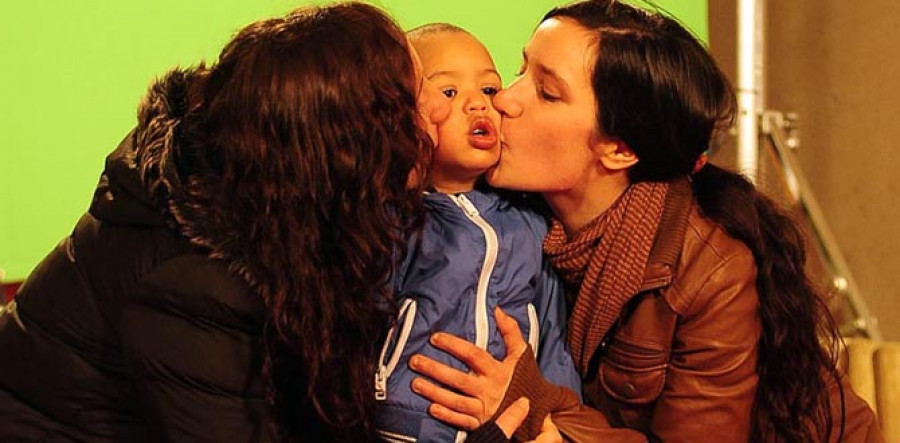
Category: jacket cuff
[489,432]
[543,396]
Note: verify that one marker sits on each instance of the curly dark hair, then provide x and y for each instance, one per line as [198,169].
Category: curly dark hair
[296,158]
[661,93]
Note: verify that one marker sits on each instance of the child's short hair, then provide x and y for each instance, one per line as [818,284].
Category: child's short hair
[433,28]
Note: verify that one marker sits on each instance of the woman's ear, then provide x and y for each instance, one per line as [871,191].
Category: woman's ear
[615,155]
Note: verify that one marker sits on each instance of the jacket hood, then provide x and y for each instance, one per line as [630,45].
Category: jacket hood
[139,172]
[141,184]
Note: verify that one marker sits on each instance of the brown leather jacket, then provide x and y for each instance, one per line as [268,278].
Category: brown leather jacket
[681,364]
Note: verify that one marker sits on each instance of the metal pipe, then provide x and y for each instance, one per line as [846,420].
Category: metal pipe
[773,126]
[748,92]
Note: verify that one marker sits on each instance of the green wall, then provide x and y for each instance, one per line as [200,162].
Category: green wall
[72,73]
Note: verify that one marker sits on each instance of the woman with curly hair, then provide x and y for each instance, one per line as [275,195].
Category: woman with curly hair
[692,318]
[231,273]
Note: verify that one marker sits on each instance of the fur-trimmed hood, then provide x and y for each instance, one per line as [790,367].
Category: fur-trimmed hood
[140,185]
[139,171]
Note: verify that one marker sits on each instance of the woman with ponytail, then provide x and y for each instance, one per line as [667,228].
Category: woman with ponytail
[691,316]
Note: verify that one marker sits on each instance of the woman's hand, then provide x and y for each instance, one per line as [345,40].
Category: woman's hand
[513,417]
[480,391]
[549,433]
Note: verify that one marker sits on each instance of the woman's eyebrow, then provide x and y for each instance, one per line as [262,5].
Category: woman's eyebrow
[546,71]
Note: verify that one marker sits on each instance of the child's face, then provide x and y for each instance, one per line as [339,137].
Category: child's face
[468,140]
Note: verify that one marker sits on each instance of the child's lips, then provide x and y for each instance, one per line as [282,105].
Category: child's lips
[483,134]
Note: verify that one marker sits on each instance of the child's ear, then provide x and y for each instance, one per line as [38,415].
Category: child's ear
[615,155]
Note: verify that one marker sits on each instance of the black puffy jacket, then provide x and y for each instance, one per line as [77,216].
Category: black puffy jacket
[126,332]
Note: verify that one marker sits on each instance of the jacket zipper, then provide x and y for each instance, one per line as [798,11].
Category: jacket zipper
[385,369]
[490,259]
[534,332]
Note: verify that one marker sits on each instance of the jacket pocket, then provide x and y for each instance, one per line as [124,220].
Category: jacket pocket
[387,365]
[633,372]
[534,330]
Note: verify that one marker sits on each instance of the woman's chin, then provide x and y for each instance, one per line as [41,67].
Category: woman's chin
[499,177]
[494,176]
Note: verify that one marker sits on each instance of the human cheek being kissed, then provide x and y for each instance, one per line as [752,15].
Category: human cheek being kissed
[460,69]
[433,108]
[692,318]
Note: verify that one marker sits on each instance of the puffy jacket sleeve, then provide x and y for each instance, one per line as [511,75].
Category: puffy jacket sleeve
[194,355]
[553,357]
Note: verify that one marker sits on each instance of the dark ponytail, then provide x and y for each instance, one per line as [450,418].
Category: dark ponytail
[797,350]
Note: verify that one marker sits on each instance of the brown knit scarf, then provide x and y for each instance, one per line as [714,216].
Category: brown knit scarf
[607,259]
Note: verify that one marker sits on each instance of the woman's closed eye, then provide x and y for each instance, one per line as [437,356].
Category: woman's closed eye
[546,95]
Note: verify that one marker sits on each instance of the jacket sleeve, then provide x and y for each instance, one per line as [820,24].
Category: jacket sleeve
[554,359]
[489,432]
[706,390]
[195,373]
[576,422]
[712,376]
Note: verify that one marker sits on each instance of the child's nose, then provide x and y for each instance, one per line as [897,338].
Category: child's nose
[476,103]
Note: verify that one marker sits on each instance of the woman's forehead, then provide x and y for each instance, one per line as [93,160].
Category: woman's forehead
[563,46]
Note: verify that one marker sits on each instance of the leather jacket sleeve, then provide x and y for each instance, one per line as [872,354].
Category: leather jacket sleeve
[703,391]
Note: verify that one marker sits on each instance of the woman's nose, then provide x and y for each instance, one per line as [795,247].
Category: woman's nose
[505,103]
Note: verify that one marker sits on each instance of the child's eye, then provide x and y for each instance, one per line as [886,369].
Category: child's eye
[490,90]
[449,92]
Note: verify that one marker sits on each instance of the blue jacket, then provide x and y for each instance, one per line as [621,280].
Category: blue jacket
[477,251]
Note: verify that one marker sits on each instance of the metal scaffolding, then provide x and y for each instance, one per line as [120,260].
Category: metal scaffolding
[756,124]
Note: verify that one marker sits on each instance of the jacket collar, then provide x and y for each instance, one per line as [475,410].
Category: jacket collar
[485,200]
[663,261]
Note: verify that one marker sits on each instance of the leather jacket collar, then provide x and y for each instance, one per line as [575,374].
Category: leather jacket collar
[663,262]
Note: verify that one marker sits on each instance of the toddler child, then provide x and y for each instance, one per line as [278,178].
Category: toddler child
[477,250]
